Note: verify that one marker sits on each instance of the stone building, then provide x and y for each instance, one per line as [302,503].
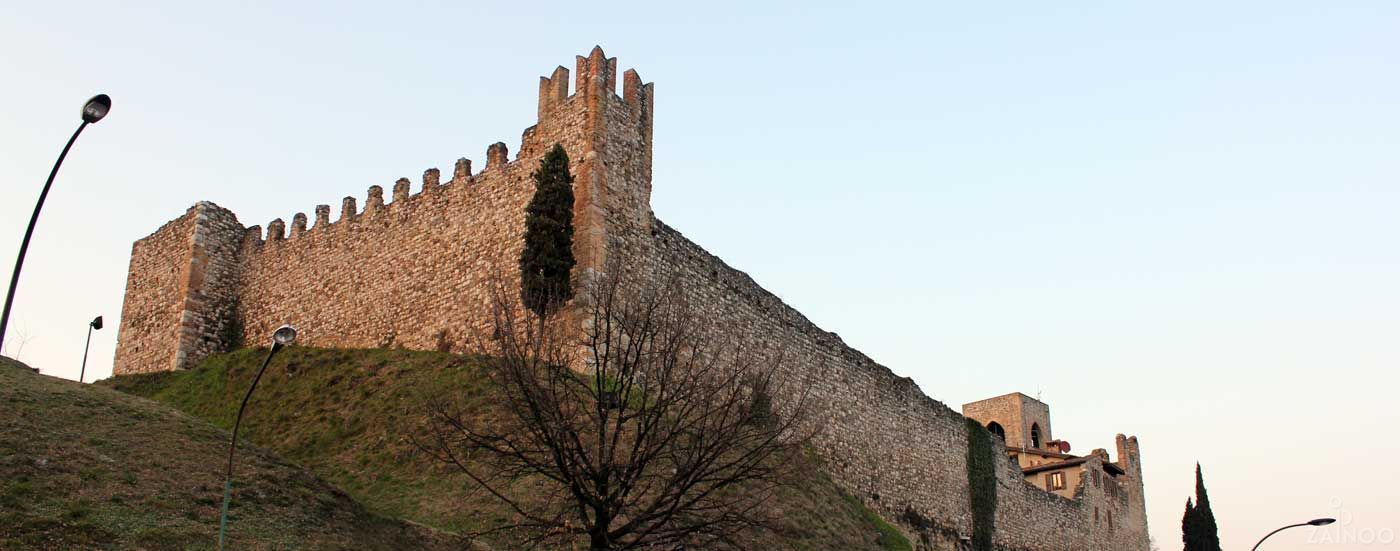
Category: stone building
[1023,425]
[412,271]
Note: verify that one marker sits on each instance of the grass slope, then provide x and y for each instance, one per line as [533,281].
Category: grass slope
[350,415]
[85,467]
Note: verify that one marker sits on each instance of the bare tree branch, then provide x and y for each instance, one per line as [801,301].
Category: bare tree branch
[650,422]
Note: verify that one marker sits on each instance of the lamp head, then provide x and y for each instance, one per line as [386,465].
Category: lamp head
[1321,521]
[284,335]
[96,108]
[96,323]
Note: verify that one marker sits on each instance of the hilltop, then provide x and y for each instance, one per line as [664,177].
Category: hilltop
[87,467]
[351,416]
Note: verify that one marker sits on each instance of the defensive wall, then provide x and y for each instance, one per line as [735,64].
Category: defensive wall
[414,271]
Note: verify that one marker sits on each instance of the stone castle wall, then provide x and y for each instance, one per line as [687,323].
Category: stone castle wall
[415,272]
[155,298]
[888,442]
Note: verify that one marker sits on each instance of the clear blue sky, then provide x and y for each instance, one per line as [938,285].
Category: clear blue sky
[1175,220]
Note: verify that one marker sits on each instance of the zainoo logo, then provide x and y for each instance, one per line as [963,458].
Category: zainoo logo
[1346,531]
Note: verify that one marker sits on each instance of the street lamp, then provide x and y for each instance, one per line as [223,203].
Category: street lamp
[93,111]
[283,336]
[96,323]
[1313,522]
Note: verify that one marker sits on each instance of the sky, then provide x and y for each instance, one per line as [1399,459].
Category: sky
[1172,220]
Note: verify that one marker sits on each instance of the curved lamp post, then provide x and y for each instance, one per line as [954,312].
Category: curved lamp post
[93,111]
[283,336]
[1314,522]
[96,323]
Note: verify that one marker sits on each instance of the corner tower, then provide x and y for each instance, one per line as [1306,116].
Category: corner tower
[181,290]
[609,141]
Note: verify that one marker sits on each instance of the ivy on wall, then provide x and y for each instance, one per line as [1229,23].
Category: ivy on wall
[981,485]
[230,332]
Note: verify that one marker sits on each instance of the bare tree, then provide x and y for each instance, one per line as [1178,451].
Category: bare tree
[641,423]
[22,336]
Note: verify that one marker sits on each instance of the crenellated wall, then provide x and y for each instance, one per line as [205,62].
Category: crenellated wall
[412,271]
[408,272]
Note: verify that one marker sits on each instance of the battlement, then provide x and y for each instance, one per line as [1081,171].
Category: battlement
[596,75]
[374,205]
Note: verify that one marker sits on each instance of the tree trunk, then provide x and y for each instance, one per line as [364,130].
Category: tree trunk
[598,539]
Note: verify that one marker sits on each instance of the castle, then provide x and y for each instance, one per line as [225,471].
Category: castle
[412,272]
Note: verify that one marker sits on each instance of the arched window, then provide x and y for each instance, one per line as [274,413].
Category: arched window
[1035,435]
[995,428]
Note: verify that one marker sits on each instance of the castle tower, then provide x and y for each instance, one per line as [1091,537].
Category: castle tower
[180,292]
[609,142]
[1024,422]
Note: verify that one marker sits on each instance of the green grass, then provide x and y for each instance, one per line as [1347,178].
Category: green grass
[351,416]
[85,467]
[347,415]
[890,538]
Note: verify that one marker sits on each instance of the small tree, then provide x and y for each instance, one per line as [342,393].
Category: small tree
[1188,527]
[548,256]
[1198,529]
[22,337]
[658,428]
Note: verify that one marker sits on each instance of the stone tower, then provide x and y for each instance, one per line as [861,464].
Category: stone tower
[1023,421]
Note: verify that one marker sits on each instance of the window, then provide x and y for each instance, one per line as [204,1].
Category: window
[1035,435]
[995,428]
[1054,481]
[1096,478]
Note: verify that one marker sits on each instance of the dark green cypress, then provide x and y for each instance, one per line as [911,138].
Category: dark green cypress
[1209,537]
[1198,529]
[1188,527]
[548,256]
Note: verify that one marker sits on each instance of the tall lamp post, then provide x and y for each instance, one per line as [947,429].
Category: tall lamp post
[283,336]
[1314,522]
[93,111]
[96,323]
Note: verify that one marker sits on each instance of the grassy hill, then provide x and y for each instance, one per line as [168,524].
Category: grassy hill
[350,415]
[86,467]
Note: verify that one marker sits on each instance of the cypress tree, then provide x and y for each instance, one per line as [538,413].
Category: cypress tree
[1205,519]
[1188,527]
[1198,529]
[548,256]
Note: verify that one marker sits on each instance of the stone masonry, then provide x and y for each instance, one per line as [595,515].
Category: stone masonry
[414,272]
